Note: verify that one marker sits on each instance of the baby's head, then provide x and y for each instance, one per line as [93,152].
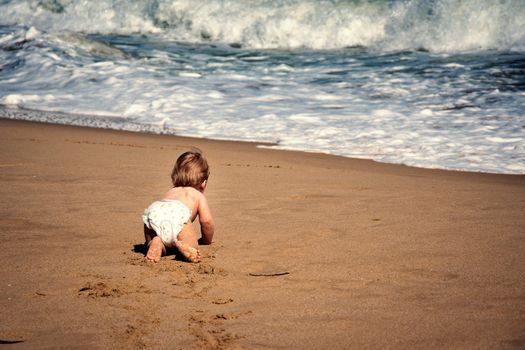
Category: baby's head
[190,170]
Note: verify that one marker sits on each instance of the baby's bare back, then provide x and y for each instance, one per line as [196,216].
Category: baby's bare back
[187,195]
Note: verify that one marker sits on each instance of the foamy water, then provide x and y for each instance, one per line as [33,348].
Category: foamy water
[437,84]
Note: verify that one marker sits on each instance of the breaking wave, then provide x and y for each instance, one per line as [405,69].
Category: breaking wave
[432,25]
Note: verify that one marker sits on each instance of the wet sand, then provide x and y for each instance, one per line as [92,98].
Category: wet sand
[311,251]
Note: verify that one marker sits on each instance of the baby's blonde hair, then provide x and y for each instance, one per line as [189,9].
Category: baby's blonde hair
[190,170]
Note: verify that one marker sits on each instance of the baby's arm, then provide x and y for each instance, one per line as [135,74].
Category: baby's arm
[206,221]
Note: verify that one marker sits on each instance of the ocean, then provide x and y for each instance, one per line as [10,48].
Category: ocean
[428,83]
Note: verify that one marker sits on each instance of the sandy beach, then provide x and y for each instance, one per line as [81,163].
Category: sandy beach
[311,251]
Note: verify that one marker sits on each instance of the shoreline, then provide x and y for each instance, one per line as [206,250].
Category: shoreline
[311,250]
[114,122]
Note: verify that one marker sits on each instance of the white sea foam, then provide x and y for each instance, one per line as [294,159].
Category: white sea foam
[15,100]
[504,140]
[436,25]
[190,75]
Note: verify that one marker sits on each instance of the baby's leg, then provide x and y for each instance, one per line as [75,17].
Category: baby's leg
[155,249]
[155,246]
[148,234]
[187,243]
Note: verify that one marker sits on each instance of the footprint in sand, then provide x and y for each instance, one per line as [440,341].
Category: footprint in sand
[268,269]
[222,301]
[97,290]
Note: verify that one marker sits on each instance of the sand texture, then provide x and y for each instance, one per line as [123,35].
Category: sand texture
[311,251]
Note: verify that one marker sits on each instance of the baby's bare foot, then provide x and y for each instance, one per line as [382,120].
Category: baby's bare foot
[190,253]
[155,249]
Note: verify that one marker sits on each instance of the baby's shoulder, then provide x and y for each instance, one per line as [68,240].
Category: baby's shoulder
[187,193]
[192,193]
[191,190]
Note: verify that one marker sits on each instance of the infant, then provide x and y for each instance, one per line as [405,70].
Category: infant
[168,221]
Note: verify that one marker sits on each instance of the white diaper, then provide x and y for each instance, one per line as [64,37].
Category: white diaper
[167,218]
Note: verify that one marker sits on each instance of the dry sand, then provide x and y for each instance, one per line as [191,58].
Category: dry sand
[311,251]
